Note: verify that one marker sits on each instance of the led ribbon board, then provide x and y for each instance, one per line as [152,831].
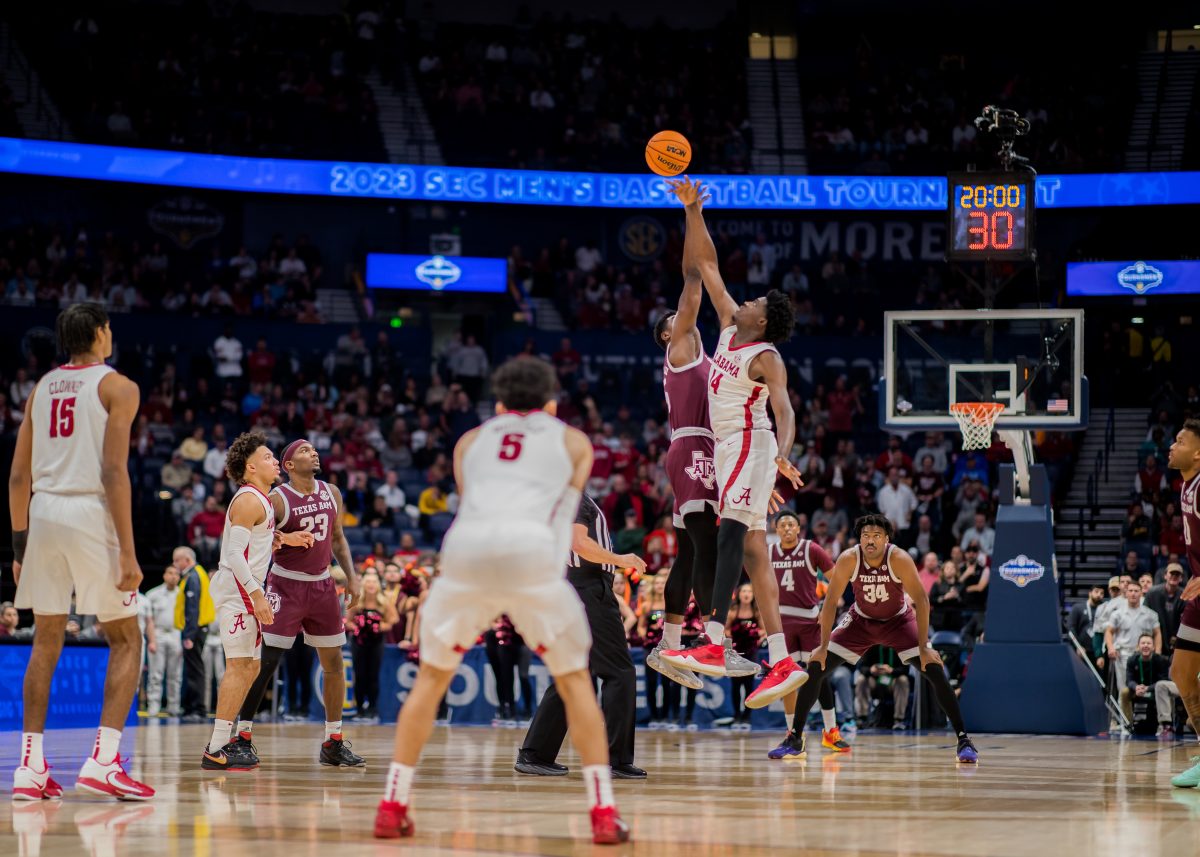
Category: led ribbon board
[530,187]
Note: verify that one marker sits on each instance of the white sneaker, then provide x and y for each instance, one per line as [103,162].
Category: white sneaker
[684,677]
[111,780]
[29,784]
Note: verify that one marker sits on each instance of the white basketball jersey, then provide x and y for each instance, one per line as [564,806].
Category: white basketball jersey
[735,402]
[68,422]
[258,552]
[517,470]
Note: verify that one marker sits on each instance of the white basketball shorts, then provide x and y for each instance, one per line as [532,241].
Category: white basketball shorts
[73,548]
[746,476]
[493,569]
[241,635]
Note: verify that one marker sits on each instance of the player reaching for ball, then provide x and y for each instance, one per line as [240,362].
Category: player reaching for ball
[746,373]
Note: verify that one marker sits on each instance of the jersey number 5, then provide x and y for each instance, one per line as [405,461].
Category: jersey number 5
[62,417]
[511,446]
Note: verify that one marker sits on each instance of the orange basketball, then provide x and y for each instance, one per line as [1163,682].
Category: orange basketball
[668,153]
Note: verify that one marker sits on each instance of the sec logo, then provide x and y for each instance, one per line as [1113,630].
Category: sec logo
[642,238]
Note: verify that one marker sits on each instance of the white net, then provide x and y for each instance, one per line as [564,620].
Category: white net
[976,421]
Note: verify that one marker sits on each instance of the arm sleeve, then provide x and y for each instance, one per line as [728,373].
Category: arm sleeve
[239,541]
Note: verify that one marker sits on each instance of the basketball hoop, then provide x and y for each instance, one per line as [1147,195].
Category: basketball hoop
[975,421]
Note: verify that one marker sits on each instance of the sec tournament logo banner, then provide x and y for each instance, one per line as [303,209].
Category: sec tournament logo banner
[1140,278]
[438,272]
[1022,570]
[642,238]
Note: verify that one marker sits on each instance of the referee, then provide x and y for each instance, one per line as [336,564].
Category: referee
[590,571]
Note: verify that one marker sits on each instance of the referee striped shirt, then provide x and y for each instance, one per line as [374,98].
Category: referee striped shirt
[591,516]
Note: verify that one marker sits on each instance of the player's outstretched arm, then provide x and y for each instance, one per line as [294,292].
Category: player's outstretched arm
[682,347]
[20,487]
[770,367]
[904,568]
[699,252]
[341,547]
[839,579]
[120,397]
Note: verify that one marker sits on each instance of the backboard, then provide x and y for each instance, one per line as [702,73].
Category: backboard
[1030,360]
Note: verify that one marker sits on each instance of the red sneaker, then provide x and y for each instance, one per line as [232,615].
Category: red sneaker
[111,780]
[607,827]
[783,678]
[392,821]
[705,658]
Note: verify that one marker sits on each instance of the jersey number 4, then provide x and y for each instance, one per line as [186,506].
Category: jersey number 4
[62,417]
[788,581]
[714,381]
[318,525]
[511,446]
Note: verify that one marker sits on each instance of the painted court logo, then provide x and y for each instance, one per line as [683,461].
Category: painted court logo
[1140,278]
[1022,570]
[702,470]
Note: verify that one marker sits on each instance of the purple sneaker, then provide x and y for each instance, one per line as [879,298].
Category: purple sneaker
[967,754]
[790,749]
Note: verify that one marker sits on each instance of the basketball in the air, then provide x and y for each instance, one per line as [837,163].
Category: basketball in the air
[668,153]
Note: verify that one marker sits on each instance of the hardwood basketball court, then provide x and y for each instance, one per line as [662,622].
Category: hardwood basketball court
[709,793]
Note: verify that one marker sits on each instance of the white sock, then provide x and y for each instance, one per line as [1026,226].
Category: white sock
[31,751]
[715,632]
[108,742]
[776,648]
[220,736]
[246,726]
[828,718]
[332,727]
[672,635]
[399,783]
[598,780]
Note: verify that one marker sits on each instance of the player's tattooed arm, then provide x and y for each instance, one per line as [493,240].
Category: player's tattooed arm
[341,547]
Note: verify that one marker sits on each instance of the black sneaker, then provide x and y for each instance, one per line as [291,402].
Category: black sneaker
[336,754]
[628,771]
[228,758]
[528,763]
[245,746]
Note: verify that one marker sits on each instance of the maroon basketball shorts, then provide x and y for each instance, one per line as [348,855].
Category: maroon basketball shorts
[1188,636]
[303,602]
[692,472]
[856,633]
[801,636]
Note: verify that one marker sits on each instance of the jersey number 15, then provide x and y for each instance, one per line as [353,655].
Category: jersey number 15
[62,417]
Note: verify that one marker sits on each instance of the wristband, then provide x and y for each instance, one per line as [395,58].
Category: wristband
[20,539]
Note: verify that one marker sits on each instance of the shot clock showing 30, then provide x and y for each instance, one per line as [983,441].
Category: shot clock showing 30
[991,216]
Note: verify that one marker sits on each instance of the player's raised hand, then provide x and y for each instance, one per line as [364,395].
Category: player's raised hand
[1192,589]
[632,560]
[789,471]
[262,609]
[131,573]
[689,192]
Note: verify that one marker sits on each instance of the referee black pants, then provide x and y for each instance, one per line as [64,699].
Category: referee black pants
[610,663]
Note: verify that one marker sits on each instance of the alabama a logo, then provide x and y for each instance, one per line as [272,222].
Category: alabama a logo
[1022,570]
[702,469]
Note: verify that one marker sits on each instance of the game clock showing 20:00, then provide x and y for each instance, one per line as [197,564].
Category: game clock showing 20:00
[991,216]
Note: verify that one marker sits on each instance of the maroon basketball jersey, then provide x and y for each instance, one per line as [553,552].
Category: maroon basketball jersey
[686,389]
[878,593]
[796,570]
[313,513]
[1191,521]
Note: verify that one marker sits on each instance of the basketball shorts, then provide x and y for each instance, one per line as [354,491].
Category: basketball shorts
[73,548]
[303,602]
[1188,636]
[856,633]
[693,475]
[241,635]
[746,476]
[490,569]
[801,637]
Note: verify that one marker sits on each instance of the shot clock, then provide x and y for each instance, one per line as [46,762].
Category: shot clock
[991,216]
